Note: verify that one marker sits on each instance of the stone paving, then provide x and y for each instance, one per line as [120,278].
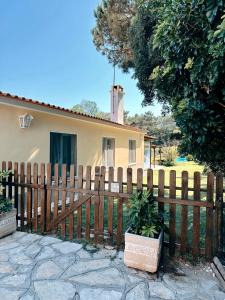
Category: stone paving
[41,267]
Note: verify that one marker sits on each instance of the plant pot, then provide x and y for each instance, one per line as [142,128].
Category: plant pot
[7,223]
[141,252]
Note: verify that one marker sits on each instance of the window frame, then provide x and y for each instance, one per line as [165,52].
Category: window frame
[104,163]
[129,150]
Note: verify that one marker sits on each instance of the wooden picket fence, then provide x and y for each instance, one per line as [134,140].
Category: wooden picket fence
[91,208]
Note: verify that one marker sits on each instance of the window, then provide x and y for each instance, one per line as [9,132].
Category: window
[63,149]
[108,152]
[132,151]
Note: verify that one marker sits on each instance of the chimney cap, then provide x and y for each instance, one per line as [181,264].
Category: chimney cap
[118,87]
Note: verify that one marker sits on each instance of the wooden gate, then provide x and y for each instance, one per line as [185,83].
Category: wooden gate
[94,205]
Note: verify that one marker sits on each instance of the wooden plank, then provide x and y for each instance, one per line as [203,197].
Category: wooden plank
[79,210]
[15,176]
[129,181]
[10,180]
[110,205]
[71,216]
[29,200]
[120,208]
[196,217]
[184,214]
[161,182]
[43,207]
[185,202]
[96,204]
[139,179]
[172,211]
[56,195]
[101,205]
[48,212]
[64,182]
[4,180]
[35,181]
[219,213]
[74,206]
[209,218]
[88,204]
[22,192]
[150,181]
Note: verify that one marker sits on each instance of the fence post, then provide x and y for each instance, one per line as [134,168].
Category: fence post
[219,213]
[209,218]
[96,204]
[43,202]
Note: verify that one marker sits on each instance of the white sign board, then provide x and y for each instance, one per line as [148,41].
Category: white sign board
[115,187]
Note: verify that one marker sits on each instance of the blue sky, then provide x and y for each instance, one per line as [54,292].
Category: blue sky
[47,54]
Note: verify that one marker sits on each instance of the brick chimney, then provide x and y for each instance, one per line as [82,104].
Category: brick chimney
[117,104]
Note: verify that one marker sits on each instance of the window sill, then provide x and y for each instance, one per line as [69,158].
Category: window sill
[132,164]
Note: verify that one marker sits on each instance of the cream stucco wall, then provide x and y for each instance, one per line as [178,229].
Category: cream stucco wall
[33,144]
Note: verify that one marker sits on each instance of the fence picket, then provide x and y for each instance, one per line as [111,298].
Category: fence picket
[120,208]
[110,205]
[150,180]
[80,196]
[22,191]
[196,217]
[101,205]
[71,217]
[49,193]
[35,181]
[4,180]
[172,211]
[88,203]
[161,183]
[15,177]
[96,204]
[56,194]
[10,180]
[43,203]
[64,183]
[219,213]
[209,218]
[184,214]
[28,199]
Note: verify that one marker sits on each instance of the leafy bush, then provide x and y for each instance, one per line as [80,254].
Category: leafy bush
[189,157]
[5,204]
[144,218]
[168,163]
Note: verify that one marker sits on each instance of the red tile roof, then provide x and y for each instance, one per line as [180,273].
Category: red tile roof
[61,109]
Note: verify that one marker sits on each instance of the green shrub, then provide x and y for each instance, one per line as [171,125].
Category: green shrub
[168,163]
[189,157]
[5,204]
[144,218]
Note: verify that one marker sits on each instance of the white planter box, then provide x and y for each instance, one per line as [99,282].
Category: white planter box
[7,223]
[142,253]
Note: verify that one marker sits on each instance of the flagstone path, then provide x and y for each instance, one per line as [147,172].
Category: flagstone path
[34,267]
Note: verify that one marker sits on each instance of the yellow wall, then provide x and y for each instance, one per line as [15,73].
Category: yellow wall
[33,144]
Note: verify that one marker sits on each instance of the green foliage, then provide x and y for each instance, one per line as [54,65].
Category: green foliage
[178,56]
[90,108]
[144,218]
[189,157]
[5,204]
[110,34]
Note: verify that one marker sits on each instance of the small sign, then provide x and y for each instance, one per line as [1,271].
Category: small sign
[115,187]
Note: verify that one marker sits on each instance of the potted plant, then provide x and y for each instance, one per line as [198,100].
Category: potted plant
[143,239]
[7,213]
